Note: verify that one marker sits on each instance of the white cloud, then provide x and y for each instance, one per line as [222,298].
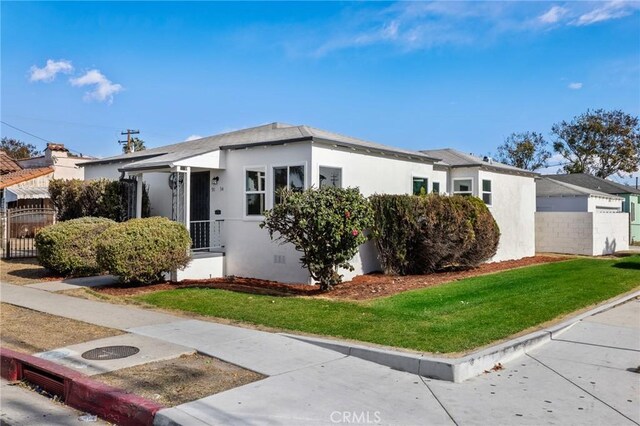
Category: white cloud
[575,86]
[103,88]
[193,138]
[610,10]
[553,15]
[50,70]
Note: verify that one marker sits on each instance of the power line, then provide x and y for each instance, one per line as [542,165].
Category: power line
[25,132]
[36,136]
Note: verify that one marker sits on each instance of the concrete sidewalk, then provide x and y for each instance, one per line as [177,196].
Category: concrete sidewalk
[584,378]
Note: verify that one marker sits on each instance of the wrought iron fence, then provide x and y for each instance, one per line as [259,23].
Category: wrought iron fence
[206,234]
[19,228]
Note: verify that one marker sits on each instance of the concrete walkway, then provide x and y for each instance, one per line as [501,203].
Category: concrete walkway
[584,378]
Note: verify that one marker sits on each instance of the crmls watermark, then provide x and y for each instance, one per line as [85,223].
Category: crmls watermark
[356,417]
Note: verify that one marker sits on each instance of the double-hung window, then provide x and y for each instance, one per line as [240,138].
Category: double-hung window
[463,186]
[330,176]
[289,177]
[436,187]
[486,191]
[420,186]
[255,191]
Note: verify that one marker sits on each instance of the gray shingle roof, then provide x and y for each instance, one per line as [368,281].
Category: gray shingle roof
[454,158]
[262,135]
[596,183]
[546,187]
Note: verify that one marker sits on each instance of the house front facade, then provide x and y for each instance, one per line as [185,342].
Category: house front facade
[220,186]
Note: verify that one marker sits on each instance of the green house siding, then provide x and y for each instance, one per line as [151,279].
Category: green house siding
[632,206]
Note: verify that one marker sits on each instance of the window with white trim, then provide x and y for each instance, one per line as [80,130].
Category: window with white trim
[330,176]
[289,177]
[463,186]
[420,186]
[436,187]
[255,191]
[486,192]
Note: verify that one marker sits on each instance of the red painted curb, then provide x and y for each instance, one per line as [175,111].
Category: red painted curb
[81,392]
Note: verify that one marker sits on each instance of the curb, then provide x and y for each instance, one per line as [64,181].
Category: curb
[78,391]
[457,369]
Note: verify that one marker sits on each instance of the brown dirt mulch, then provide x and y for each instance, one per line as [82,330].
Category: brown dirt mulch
[25,271]
[32,331]
[362,287]
[179,380]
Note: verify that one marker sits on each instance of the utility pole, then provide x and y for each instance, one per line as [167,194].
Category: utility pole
[128,132]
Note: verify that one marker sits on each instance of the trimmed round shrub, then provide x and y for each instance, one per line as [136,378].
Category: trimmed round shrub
[424,234]
[141,250]
[69,248]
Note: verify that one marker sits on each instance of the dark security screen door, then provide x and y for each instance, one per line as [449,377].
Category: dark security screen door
[199,216]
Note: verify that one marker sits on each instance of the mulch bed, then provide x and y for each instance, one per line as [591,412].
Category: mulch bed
[362,287]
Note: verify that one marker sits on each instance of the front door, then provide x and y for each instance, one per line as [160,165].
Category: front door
[200,213]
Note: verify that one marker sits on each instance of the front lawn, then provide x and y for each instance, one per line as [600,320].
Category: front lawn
[452,317]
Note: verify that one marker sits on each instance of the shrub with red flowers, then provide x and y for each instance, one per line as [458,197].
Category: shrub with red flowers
[327,225]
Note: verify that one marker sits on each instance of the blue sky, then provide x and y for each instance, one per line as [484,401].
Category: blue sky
[414,75]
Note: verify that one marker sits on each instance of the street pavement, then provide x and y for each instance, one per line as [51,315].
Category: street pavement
[585,376]
[22,407]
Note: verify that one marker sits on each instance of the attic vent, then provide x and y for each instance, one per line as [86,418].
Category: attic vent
[487,159]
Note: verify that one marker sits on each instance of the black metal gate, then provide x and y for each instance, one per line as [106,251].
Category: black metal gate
[19,228]
[200,223]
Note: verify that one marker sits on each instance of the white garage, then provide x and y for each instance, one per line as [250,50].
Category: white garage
[575,220]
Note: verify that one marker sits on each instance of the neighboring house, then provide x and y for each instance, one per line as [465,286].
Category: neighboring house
[219,186]
[8,164]
[630,195]
[26,187]
[577,220]
[26,182]
[65,164]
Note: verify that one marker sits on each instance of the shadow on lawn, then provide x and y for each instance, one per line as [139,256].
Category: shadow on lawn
[627,265]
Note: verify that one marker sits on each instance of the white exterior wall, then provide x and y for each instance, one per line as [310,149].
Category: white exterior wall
[513,207]
[604,204]
[584,233]
[372,174]
[441,176]
[610,233]
[249,250]
[103,171]
[562,204]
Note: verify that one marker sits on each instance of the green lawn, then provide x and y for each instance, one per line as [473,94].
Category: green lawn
[453,317]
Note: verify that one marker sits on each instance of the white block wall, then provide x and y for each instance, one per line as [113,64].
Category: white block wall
[584,233]
[610,232]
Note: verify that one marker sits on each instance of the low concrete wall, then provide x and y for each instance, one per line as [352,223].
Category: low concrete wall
[584,233]
[202,267]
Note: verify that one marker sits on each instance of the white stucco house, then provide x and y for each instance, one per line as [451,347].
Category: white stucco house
[220,185]
[576,220]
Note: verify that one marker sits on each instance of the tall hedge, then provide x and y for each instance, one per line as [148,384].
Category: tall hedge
[97,198]
[423,234]
[141,250]
[69,248]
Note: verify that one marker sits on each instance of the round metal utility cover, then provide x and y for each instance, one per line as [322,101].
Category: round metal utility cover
[110,352]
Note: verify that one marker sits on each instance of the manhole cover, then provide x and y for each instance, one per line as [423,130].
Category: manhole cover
[110,352]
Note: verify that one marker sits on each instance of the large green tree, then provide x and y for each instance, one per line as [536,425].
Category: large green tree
[600,143]
[526,150]
[18,149]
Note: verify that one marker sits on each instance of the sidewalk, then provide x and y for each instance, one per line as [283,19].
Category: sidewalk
[582,379]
